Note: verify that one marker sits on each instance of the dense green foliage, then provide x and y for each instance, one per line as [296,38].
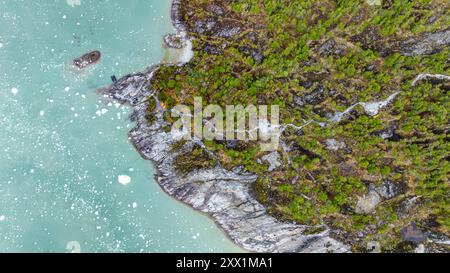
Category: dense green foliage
[363,63]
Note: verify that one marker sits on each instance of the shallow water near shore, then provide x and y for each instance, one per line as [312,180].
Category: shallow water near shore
[69,178]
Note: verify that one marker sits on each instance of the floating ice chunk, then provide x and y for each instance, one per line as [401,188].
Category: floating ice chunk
[14,90]
[1,45]
[101,112]
[73,3]
[67,89]
[124,179]
[41,113]
[2,217]
[134,205]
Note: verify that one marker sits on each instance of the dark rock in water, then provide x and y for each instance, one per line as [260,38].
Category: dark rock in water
[426,44]
[412,234]
[87,59]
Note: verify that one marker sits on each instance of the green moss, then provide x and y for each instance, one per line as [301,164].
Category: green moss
[198,158]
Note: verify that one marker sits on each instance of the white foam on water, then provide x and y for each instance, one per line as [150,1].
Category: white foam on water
[124,179]
[73,3]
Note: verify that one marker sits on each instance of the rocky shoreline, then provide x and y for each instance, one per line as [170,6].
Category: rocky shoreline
[223,195]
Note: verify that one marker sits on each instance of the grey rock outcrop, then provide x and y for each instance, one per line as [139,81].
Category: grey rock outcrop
[367,203]
[274,160]
[428,43]
[389,189]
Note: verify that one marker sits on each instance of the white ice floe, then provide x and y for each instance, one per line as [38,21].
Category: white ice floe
[73,3]
[101,112]
[124,179]
[1,45]
[67,89]
[134,205]
[14,90]
[2,217]
[41,113]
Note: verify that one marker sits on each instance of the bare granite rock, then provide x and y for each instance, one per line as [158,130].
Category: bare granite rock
[274,160]
[428,43]
[368,203]
[334,145]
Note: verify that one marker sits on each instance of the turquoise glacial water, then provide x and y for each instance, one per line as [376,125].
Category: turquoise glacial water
[63,147]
